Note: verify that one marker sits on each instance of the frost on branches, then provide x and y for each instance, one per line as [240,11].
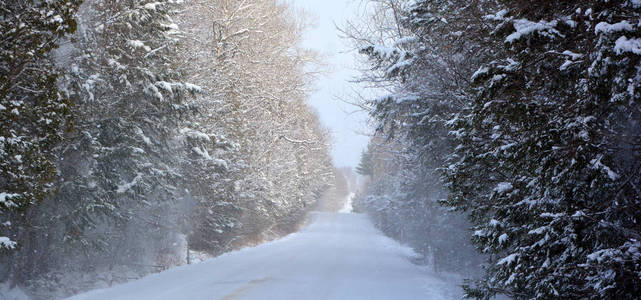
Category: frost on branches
[548,162]
[530,111]
[422,62]
[33,115]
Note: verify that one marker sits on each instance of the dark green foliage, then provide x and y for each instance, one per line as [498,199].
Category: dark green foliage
[33,114]
[546,164]
[540,146]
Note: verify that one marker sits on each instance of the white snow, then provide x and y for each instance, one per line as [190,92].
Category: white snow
[138,44]
[193,88]
[171,26]
[142,135]
[137,150]
[384,52]
[5,242]
[4,199]
[499,16]
[539,230]
[201,152]
[348,208]
[572,55]
[195,134]
[605,254]
[623,44]
[126,186]
[57,19]
[508,259]
[526,27]
[153,91]
[220,163]
[152,6]
[605,27]
[405,40]
[166,86]
[597,164]
[338,256]
[578,214]
[503,187]
[479,72]
[503,238]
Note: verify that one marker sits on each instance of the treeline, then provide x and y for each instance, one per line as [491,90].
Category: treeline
[134,131]
[523,116]
[402,199]
[336,197]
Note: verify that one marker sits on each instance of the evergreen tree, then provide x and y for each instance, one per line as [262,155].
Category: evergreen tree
[548,161]
[425,65]
[120,179]
[365,166]
[33,117]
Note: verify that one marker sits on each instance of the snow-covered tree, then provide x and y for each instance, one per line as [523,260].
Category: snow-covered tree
[33,117]
[190,125]
[547,161]
[273,152]
[534,105]
[421,54]
[120,184]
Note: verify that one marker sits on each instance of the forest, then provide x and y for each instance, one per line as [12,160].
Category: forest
[141,135]
[514,125]
[131,131]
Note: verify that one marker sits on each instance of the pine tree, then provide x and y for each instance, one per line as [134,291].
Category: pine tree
[547,162]
[425,66]
[33,116]
[365,166]
[121,183]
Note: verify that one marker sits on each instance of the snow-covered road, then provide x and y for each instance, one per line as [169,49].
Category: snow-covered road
[337,256]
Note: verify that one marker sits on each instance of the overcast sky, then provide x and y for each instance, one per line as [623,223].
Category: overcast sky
[346,126]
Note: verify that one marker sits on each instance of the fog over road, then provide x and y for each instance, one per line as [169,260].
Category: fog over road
[337,256]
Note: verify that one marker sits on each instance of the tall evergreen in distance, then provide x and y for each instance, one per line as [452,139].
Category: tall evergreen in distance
[366,165]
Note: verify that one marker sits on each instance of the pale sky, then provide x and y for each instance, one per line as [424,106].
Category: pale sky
[346,126]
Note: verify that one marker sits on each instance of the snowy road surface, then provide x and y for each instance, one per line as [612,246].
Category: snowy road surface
[337,256]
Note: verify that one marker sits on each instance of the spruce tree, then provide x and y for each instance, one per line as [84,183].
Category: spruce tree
[121,181]
[548,161]
[34,114]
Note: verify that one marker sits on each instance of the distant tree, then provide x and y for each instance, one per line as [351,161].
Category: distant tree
[365,166]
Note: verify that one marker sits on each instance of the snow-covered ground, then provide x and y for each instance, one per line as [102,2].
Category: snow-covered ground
[348,208]
[337,256]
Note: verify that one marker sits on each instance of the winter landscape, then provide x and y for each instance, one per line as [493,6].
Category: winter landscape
[304,149]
